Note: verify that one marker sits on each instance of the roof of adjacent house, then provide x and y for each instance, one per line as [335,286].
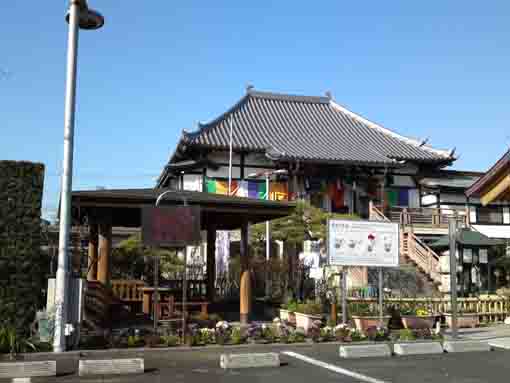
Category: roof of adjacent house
[492,175]
[309,129]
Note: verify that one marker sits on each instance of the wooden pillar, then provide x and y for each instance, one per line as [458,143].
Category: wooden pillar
[211,263]
[93,248]
[105,249]
[245,285]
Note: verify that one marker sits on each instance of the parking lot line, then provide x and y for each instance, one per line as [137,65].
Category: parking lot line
[333,368]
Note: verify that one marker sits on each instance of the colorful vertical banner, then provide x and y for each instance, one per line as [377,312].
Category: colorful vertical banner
[279,191]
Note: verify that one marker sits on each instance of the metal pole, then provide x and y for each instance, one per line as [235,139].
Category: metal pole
[381,323]
[268,244]
[344,296]
[59,341]
[452,231]
[156,293]
[185,296]
[230,156]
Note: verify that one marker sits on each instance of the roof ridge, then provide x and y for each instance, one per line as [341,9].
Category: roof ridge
[288,97]
[382,129]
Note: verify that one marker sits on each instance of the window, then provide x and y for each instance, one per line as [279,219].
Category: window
[490,215]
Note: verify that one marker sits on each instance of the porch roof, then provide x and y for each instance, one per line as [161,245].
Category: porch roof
[469,238]
[222,212]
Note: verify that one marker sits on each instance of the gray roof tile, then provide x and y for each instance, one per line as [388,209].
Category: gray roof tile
[312,129]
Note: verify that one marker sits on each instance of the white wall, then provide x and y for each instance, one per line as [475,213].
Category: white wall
[222,172]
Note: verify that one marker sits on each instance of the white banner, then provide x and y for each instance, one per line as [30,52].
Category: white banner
[363,243]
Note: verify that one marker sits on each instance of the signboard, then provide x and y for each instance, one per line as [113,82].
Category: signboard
[175,226]
[363,243]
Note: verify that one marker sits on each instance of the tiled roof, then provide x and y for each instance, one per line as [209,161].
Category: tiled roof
[314,129]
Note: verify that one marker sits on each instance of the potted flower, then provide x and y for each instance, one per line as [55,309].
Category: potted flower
[414,317]
[287,312]
[466,318]
[365,317]
[306,314]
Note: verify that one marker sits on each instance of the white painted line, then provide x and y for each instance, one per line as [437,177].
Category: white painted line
[21,380]
[333,368]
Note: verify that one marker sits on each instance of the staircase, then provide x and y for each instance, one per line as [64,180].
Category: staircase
[413,250]
[102,307]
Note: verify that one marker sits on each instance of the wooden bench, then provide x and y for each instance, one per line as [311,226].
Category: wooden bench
[171,305]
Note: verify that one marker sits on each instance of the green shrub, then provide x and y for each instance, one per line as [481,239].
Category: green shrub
[309,308]
[170,340]
[13,343]
[236,336]
[135,341]
[406,335]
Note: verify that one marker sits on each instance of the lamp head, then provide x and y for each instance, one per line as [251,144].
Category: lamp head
[89,19]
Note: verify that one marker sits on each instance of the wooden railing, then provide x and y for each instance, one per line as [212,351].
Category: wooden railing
[376,213]
[489,308]
[418,252]
[416,216]
[128,290]
[98,302]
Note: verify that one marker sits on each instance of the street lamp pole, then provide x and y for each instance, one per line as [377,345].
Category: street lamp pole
[79,16]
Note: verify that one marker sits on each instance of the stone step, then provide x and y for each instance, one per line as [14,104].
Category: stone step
[466,346]
[234,361]
[419,348]
[365,351]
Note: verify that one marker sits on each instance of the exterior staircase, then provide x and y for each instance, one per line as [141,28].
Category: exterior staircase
[102,307]
[414,251]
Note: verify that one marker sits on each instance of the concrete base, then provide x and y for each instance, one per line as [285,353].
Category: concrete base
[466,346]
[28,369]
[365,351]
[418,348]
[229,361]
[244,318]
[111,367]
[501,343]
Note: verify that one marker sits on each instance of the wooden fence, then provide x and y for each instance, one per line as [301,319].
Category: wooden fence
[490,309]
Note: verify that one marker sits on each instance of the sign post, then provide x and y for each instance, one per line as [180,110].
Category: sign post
[174,227]
[380,297]
[362,243]
[344,295]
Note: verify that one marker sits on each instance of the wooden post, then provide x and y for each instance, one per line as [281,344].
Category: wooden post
[92,260]
[245,285]
[211,263]
[105,248]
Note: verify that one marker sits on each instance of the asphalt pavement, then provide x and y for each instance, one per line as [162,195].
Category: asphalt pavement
[310,363]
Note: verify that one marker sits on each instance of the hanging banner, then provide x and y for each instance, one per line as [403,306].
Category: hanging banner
[363,243]
[176,226]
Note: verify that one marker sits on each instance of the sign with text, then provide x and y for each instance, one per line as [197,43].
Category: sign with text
[363,243]
[175,226]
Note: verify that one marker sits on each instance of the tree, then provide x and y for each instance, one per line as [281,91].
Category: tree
[305,223]
[132,260]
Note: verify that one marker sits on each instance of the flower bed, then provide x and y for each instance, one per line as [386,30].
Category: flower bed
[417,322]
[363,323]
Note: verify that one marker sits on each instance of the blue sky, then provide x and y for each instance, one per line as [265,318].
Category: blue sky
[437,69]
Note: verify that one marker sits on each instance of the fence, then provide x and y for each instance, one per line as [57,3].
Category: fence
[489,308]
